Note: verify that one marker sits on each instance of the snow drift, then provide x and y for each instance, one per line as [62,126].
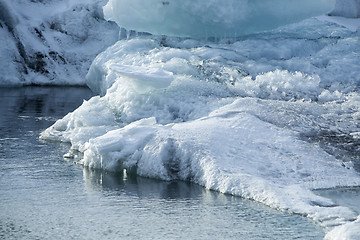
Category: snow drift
[211,19]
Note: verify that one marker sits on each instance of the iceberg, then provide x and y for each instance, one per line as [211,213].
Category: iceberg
[51,42]
[211,18]
[269,117]
[268,111]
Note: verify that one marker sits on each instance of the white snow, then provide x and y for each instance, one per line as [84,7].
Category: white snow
[349,230]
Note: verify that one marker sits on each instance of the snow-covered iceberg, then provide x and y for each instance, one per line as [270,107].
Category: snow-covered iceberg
[269,117]
[51,42]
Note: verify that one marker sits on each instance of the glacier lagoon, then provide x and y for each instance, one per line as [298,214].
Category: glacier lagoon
[269,116]
[44,196]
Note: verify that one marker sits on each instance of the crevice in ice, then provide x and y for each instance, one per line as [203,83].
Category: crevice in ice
[323,204]
[177,167]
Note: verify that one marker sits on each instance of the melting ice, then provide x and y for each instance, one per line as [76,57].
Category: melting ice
[268,116]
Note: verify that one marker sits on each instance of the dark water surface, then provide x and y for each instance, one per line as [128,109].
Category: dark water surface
[43,196]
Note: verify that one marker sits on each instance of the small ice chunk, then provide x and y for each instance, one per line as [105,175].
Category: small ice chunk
[355,135]
[69,155]
[144,79]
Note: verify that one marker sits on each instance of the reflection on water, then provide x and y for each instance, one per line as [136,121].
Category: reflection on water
[33,104]
[181,210]
[120,183]
[43,196]
[349,197]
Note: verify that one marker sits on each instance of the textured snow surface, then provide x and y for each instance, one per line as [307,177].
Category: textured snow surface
[268,117]
[51,42]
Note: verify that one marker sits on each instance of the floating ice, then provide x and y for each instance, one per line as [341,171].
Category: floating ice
[211,18]
[144,79]
[268,117]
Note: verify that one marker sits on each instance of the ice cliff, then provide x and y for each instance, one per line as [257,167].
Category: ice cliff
[211,18]
[51,42]
[347,8]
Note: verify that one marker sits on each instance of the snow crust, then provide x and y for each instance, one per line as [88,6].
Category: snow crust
[51,42]
[211,18]
[269,117]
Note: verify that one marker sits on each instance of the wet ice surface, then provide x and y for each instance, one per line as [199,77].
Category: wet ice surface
[43,196]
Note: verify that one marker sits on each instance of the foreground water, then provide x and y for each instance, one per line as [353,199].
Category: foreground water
[43,196]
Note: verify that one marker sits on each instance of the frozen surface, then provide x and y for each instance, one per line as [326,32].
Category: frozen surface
[211,18]
[269,116]
[51,42]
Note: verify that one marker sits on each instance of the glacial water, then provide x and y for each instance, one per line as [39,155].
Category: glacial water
[43,196]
